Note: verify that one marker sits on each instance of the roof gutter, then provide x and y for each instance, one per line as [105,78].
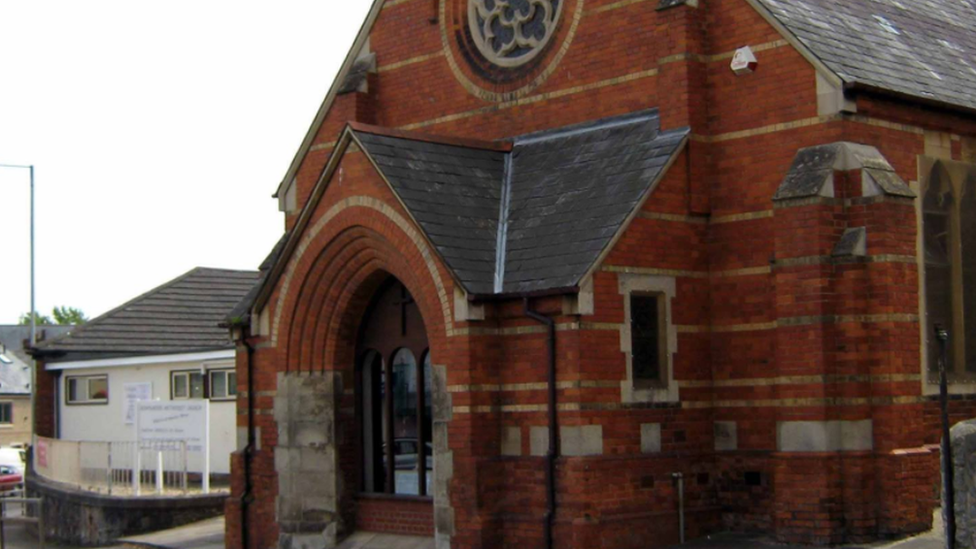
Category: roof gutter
[246,494]
[553,449]
[505,296]
[902,96]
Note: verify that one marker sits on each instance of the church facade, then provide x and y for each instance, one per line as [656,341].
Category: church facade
[603,273]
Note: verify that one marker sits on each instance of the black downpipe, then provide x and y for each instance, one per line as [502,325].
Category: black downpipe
[553,450]
[948,483]
[246,496]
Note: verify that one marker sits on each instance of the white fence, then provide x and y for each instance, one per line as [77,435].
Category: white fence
[145,468]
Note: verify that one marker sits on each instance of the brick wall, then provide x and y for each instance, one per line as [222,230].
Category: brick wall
[415,518]
[745,270]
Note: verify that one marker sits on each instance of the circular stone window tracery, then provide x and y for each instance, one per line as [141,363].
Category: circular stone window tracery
[502,50]
[510,33]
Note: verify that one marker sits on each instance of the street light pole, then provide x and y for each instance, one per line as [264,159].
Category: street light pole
[33,311]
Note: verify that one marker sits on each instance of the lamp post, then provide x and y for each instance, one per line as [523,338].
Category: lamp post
[33,312]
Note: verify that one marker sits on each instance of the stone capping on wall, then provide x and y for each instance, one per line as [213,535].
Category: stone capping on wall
[84,518]
[853,243]
[812,172]
[665,4]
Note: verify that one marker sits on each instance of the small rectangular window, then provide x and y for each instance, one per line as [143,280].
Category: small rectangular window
[223,384]
[180,387]
[646,337]
[184,385]
[87,389]
[6,413]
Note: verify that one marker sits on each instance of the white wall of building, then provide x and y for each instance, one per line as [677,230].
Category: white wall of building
[107,422]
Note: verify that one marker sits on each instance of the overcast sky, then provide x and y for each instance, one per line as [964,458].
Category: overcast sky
[159,131]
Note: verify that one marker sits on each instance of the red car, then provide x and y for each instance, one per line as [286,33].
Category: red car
[10,478]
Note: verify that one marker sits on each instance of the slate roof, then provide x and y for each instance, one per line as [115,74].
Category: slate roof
[12,336]
[454,193]
[180,316]
[545,211]
[571,192]
[922,48]
[15,377]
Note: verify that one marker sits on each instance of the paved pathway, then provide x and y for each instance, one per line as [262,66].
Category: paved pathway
[206,534]
[933,539]
[209,534]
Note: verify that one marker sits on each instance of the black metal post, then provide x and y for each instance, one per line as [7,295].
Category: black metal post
[948,484]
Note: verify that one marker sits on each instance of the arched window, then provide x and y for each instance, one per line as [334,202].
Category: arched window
[939,245]
[949,247]
[372,373]
[396,419]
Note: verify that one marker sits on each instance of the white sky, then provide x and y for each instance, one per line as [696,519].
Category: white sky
[159,130]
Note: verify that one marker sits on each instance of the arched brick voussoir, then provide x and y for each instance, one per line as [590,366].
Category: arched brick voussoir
[331,269]
[347,299]
[324,269]
[351,279]
[337,340]
[353,257]
[348,248]
[412,251]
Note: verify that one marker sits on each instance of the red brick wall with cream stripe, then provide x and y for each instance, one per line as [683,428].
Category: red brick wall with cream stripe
[732,362]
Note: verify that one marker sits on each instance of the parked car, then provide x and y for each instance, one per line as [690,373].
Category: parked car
[10,478]
[405,456]
[13,457]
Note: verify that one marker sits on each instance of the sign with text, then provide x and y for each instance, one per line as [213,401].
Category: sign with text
[173,421]
[42,451]
[134,392]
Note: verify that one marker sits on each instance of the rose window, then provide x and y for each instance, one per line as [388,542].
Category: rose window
[510,33]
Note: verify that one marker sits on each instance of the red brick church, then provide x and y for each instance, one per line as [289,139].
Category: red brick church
[593,273]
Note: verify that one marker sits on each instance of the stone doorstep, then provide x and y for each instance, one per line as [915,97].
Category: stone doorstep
[371,540]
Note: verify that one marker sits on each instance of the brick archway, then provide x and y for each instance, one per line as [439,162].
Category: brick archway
[332,282]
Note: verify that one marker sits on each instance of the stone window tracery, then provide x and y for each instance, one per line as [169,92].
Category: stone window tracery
[510,33]
[949,258]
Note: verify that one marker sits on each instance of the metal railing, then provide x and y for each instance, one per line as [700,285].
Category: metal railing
[30,511]
[123,468]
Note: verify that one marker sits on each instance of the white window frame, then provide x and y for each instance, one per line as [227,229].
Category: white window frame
[189,385]
[86,379]
[226,372]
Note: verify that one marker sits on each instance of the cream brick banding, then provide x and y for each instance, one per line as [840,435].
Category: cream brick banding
[532,99]
[408,62]
[323,146]
[693,404]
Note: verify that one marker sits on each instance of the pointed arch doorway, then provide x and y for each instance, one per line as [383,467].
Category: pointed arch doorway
[394,408]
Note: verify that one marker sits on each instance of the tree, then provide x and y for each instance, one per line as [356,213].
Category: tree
[68,315]
[39,318]
[63,315]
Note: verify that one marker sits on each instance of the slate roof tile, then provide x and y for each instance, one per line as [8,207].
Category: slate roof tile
[924,48]
[571,190]
[180,316]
